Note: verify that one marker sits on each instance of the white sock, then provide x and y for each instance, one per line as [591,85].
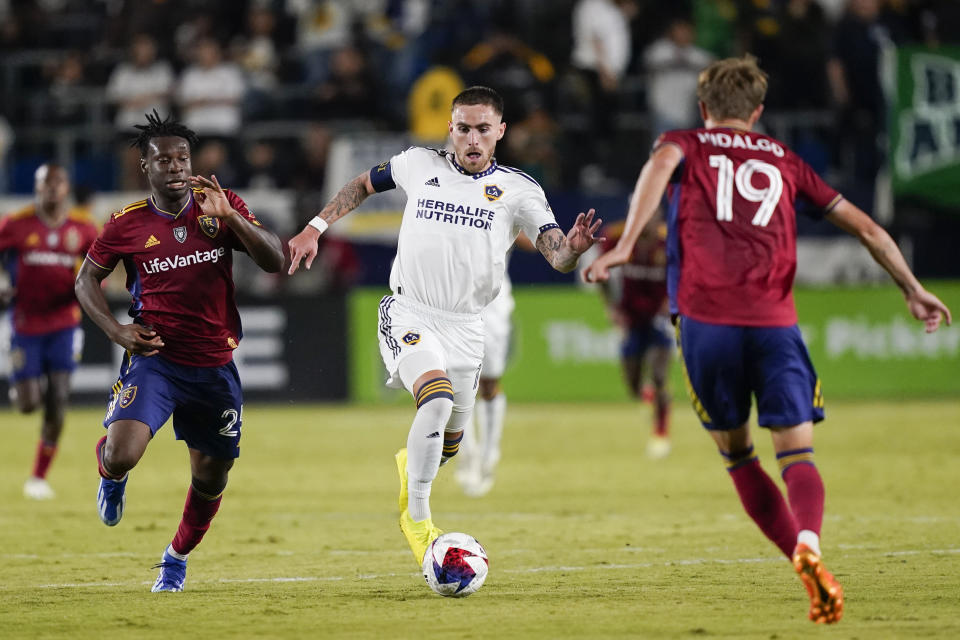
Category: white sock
[809,538]
[469,446]
[424,448]
[178,556]
[493,431]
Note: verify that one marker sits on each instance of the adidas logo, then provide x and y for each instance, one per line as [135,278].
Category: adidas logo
[151,242]
[432,182]
[435,434]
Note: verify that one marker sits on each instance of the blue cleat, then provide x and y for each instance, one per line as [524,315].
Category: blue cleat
[173,573]
[111,497]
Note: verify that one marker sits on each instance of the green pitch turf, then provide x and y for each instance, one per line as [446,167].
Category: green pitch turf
[587,538]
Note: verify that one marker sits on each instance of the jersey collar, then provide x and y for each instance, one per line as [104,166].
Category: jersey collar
[475,176]
[169,214]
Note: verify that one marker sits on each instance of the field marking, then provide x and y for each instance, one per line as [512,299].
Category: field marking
[545,569]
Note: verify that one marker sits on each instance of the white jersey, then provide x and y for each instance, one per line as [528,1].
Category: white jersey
[458,226]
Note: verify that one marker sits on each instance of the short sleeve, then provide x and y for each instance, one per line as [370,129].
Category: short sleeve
[107,250]
[814,190]
[240,207]
[535,215]
[672,137]
[391,174]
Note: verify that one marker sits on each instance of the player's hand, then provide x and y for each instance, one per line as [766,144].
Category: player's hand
[929,309]
[303,246]
[6,296]
[581,236]
[138,339]
[213,201]
[599,269]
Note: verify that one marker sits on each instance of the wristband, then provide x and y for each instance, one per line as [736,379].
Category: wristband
[319,224]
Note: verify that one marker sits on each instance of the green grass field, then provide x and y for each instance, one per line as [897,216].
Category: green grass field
[587,538]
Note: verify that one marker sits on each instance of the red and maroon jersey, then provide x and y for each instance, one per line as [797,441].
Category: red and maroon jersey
[42,262]
[180,275]
[732,235]
[644,275]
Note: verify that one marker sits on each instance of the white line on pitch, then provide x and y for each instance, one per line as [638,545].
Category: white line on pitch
[547,569]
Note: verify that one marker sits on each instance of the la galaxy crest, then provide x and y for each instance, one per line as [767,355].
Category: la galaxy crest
[492,192]
[411,338]
[180,233]
[209,225]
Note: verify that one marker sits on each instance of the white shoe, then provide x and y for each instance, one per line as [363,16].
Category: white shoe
[658,447]
[481,485]
[37,489]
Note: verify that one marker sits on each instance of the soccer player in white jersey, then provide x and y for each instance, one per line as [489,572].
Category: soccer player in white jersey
[463,213]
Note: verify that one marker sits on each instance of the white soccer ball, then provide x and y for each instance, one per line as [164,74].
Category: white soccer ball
[455,565]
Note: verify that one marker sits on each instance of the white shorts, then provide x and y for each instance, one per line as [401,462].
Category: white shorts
[407,326]
[497,327]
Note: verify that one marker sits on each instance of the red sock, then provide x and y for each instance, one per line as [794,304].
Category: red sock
[806,494]
[101,443]
[765,504]
[45,452]
[662,409]
[197,514]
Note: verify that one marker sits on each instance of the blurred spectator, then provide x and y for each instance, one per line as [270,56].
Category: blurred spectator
[211,92]
[139,85]
[190,33]
[323,26]
[67,105]
[428,104]
[522,75]
[673,64]
[257,54]
[262,169]
[716,26]
[533,147]
[6,141]
[213,157]
[350,90]
[854,75]
[799,78]
[601,54]
[310,170]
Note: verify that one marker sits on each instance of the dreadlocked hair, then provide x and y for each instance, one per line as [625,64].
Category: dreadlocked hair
[157,128]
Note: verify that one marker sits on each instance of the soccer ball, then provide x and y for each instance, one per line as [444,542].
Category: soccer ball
[455,565]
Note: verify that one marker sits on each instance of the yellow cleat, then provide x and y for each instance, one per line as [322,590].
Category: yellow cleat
[419,534]
[401,458]
[826,594]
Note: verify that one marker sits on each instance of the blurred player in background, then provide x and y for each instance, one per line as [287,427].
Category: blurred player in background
[637,303]
[482,435]
[41,247]
[177,249]
[731,263]
[462,215]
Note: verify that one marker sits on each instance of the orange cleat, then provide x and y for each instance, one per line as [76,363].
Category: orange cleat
[826,594]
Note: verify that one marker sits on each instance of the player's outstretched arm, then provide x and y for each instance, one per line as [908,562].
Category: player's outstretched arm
[563,251]
[303,246]
[262,245]
[923,305]
[644,201]
[132,337]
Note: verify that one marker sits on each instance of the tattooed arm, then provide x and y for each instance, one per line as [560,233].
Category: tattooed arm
[563,251]
[303,246]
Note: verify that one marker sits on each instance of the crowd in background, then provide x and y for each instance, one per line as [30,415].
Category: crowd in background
[268,83]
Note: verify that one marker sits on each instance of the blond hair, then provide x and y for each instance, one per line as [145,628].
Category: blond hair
[732,88]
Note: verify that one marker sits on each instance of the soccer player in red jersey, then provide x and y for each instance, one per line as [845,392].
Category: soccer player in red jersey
[177,249]
[637,304]
[731,262]
[40,249]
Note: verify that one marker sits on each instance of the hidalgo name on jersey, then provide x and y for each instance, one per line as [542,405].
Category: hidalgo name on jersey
[457,226]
